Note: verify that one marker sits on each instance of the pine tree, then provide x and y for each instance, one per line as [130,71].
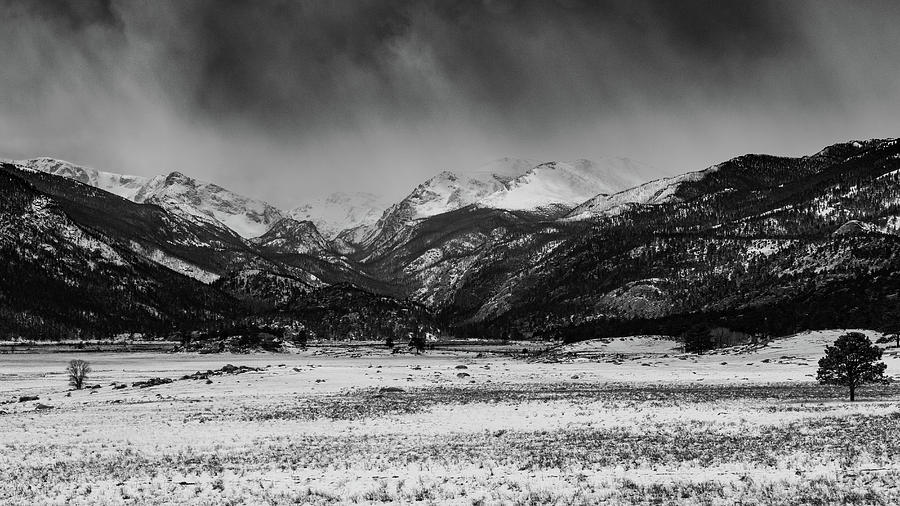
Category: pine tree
[851,361]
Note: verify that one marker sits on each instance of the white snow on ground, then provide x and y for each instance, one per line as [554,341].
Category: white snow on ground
[193,442]
[650,359]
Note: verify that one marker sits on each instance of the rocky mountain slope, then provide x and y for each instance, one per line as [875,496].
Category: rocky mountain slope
[175,192]
[547,190]
[750,243]
[757,244]
[63,279]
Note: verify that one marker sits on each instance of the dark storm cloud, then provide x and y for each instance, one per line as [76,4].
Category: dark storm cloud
[308,65]
[379,94]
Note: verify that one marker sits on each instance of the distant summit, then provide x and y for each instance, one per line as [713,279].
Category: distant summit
[176,192]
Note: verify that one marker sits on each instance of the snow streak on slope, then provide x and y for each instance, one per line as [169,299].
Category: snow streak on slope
[341,211]
[175,192]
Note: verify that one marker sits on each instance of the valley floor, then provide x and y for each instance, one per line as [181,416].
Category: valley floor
[622,421]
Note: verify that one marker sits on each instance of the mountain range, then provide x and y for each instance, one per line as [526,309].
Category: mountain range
[516,248]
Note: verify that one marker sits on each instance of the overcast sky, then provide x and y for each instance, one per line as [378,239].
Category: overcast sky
[286,100]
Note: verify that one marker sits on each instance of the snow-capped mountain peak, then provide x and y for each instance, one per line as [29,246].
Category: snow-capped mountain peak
[567,184]
[175,192]
[122,185]
[518,184]
[340,211]
[512,184]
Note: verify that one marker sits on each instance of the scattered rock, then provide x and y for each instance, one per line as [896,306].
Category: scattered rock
[575,377]
[42,407]
[463,375]
[391,389]
[27,398]
[209,381]
[152,382]
[120,387]
[461,367]
[227,369]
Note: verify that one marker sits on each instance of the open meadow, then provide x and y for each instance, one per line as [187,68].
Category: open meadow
[629,420]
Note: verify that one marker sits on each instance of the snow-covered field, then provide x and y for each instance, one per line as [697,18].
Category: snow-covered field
[622,421]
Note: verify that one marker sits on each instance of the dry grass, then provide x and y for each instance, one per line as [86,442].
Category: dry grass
[497,443]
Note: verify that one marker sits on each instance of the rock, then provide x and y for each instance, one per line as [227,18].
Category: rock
[391,389]
[461,367]
[27,398]
[152,382]
[120,387]
[463,375]
[41,407]
[575,377]
[208,381]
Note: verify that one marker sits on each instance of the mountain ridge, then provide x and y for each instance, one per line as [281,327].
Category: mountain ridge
[752,243]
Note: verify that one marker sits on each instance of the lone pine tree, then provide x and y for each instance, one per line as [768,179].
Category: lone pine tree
[851,361]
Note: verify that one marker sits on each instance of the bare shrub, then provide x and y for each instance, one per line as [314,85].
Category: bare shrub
[78,371]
